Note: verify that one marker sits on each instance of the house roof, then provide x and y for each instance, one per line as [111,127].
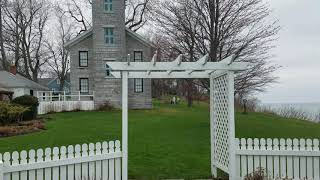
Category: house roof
[8,80]
[89,32]
[5,91]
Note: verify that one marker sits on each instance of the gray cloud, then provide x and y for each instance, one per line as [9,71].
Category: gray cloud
[298,52]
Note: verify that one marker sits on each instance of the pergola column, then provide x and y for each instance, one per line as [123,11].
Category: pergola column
[124,125]
[213,166]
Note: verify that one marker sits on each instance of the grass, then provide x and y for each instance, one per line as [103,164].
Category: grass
[166,142]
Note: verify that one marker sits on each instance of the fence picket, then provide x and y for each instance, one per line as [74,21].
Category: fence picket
[270,159]
[244,165]
[85,167]
[256,159]
[289,160]
[111,161]
[316,160]
[263,163]
[77,167]
[276,159]
[63,169]
[92,163]
[55,157]
[23,160]
[70,168]
[250,157]
[40,172]
[15,161]
[98,163]
[283,159]
[303,160]
[47,171]
[117,162]
[238,158]
[32,160]
[296,160]
[105,163]
[309,160]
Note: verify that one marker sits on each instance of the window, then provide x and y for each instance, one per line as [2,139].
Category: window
[108,5]
[83,58]
[137,56]
[84,85]
[31,92]
[108,71]
[138,83]
[58,81]
[108,35]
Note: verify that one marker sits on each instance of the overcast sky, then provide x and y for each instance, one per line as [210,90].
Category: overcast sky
[298,52]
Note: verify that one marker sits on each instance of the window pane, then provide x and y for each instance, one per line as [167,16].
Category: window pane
[138,56]
[83,59]
[108,34]
[138,85]
[84,85]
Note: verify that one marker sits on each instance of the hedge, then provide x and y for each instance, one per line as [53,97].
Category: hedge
[28,101]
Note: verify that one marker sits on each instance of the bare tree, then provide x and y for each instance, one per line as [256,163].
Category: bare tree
[25,25]
[220,29]
[3,64]
[59,55]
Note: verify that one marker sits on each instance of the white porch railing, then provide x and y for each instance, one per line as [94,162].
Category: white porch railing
[292,159]
[50,101]
[100,161]
[64,96]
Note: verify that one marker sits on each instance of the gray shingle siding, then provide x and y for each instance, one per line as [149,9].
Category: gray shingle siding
[108,89]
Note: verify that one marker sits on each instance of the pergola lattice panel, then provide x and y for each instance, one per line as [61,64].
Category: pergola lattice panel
[221,121]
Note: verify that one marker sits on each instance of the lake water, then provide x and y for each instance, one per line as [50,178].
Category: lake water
[311,109]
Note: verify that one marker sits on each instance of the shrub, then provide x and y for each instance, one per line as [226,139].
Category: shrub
[11,113]
[106,106]
[28,101]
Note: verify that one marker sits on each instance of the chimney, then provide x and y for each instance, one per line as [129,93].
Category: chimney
[13,69]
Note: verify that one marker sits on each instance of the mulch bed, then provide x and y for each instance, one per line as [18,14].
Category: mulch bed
[21,128]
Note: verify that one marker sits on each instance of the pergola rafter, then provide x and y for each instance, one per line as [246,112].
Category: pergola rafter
[176,69]
[221,75]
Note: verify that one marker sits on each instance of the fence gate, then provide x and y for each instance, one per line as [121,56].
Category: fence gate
[222,123]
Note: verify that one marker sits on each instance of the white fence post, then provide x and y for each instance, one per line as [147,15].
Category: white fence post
[124,125]
[79,96]
[64,95]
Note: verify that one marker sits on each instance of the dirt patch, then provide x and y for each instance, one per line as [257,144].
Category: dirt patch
[21,128]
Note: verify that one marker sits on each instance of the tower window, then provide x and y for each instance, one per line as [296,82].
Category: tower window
[108,5]
[108,35]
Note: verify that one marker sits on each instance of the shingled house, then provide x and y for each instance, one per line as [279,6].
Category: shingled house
[109,40]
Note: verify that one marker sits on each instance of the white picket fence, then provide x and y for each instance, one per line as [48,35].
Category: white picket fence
[62,106]
[284,158]
[100,161]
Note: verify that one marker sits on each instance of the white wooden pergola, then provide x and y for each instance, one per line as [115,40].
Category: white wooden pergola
[221,75]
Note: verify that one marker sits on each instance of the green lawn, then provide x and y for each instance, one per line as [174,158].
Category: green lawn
[166,142]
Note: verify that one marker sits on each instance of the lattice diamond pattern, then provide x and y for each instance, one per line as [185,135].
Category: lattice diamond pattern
[221,121]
